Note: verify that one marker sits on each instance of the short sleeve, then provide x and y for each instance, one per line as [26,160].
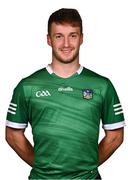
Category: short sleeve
[17,116]
[112,112]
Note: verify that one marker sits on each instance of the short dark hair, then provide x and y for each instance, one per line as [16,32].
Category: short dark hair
[65,15]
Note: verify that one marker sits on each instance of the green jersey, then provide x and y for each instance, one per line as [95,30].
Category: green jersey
[65,115]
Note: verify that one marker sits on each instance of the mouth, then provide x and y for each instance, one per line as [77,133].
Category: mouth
[66,51]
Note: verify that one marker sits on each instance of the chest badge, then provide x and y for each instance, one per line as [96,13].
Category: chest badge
[87,94]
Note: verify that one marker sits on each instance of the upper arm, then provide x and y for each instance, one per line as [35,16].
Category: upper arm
[12,134]
[116,135]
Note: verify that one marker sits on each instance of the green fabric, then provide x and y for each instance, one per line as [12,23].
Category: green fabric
[65,121]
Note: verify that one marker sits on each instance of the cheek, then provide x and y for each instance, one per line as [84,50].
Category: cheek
[57,45]
[75,43]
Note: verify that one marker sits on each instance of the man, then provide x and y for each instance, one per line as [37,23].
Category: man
[64,104]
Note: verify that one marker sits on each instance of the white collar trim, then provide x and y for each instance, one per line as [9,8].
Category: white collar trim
[50,70]
[80,69]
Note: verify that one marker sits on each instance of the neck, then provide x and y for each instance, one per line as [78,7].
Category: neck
[65,70]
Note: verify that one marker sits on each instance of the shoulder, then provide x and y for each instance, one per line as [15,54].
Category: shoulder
[97,81]
[34,77]
[32,80]
[37,75]
[95,77]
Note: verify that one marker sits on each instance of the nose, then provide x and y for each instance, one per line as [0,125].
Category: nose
[66,42]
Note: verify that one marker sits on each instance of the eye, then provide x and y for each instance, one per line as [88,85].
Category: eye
[58,36]
[73,36]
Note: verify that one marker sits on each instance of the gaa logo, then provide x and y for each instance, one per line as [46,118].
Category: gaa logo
[43,93]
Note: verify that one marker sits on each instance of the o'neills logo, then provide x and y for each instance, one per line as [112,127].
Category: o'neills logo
[65,89]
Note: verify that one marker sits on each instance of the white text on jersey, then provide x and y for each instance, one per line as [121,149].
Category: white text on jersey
[43,93]
[65,89]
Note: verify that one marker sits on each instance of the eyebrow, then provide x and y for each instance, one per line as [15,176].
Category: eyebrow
[62,33]
[74,33]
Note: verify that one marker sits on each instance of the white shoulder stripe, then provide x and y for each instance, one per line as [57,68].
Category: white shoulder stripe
[114,125]
[116,109]
[13,104]
[120,112]
[12,108]
[12,112]
[116,105]
[16,125]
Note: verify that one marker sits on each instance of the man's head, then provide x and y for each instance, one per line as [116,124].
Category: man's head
[65,16]
[65,35]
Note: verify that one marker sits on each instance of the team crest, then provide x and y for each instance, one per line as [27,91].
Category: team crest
[87,94]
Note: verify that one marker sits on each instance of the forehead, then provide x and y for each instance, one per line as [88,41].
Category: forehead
[64,28]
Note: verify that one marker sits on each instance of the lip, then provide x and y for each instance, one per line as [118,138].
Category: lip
[67,53]
[66,50]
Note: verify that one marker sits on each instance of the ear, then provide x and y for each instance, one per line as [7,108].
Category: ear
[81,39]
[48,40]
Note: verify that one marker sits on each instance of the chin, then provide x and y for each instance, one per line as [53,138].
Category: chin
[66,61]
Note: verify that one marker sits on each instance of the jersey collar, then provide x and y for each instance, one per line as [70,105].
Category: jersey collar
[50,70]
